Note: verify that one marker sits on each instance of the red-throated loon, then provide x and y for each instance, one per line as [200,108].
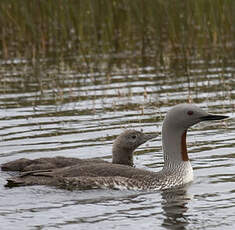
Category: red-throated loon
[176,171]
[122,153]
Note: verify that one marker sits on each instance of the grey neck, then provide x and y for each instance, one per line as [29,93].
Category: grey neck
[122,156]
[174,145]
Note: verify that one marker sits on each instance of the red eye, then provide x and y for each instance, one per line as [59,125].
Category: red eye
[190,112]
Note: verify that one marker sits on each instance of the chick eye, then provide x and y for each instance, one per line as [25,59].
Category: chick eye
[133,137]
[190,112]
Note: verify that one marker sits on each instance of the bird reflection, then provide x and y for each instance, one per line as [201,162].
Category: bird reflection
[174,205]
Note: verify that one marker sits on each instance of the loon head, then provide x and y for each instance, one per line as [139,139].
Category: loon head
[126,143]
[183,116]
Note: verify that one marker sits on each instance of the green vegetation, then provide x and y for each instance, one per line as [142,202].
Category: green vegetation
[99,33]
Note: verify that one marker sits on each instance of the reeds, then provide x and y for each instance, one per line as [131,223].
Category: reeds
[97,33]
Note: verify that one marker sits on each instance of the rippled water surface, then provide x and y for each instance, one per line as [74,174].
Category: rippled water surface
[65,113]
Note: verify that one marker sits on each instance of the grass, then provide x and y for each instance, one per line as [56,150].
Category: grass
[94,29]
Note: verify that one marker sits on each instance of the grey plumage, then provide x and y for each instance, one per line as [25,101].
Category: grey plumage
[122,153]
[101,175]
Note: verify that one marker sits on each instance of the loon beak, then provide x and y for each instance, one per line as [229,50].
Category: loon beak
[149,137]
[211,117]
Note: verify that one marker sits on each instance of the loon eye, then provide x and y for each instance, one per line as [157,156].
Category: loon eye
[190,112]
[133,136]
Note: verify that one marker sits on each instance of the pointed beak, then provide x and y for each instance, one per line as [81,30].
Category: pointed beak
[211,117]
[149,137]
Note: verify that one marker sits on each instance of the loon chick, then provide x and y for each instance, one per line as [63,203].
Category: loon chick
[176,171]
[122,153]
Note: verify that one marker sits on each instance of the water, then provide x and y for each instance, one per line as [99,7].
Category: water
[64,113]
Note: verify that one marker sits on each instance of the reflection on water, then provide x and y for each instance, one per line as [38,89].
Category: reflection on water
[60,112]
[174,205]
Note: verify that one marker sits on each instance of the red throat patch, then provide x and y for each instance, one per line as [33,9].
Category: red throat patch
[184,152]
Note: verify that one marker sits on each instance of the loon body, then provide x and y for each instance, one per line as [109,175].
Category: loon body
[122,153]
[176,171]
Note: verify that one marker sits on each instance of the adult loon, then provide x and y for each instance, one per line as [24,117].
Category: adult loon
[176,171]
[122,153]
